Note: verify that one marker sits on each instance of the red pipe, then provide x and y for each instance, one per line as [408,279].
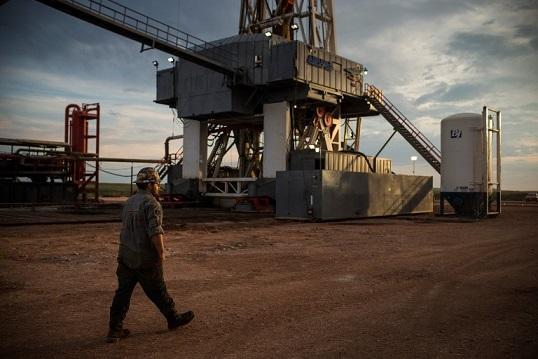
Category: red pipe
[69,109]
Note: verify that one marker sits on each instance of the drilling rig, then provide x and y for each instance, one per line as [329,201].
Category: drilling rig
[279,95]
[291,95]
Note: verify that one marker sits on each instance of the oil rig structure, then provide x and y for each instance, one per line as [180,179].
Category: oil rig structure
[279,95]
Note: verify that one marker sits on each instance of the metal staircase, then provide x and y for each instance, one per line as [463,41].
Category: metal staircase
[402,124]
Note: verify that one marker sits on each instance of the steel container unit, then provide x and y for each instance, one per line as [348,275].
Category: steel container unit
[273,69]
[467,170]
[332,195]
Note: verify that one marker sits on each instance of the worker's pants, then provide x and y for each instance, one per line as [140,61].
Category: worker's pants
[152,281]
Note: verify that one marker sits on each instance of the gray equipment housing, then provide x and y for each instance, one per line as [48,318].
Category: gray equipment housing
[269,70]
[331,195]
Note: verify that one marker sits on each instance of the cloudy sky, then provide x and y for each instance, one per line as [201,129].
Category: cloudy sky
[432,58]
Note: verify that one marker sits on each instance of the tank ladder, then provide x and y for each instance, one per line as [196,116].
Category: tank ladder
[402,124]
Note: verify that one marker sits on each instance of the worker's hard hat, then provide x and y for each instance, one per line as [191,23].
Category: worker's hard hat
[148,175]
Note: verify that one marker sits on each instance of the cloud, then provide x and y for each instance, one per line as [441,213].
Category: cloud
[448,94]
[434,95]
[523,5]
[529,159]
[428,125]
[529,33]
[133,90]
[486,46]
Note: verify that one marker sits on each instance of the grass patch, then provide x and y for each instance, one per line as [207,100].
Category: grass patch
[115,189]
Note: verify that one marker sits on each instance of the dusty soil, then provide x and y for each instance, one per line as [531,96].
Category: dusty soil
[415,287]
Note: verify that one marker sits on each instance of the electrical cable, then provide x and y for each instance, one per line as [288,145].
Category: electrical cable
[123,169]
[111,173]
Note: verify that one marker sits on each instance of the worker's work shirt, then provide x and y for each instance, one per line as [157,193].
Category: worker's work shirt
[142,218]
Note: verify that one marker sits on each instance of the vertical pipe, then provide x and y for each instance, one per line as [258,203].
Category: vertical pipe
[98,127]
[485,156]
[69,110]
[84,138]
[66,129]
[499,186]
[131,191]
[490,159]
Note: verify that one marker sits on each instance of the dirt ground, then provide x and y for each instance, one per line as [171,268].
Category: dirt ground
[411,287]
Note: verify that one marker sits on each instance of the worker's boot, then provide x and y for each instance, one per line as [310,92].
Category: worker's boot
[115,335]
[179,320]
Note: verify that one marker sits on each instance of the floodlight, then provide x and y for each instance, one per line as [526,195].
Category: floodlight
[365,71]
[294,26]
[171,60]
[268,33]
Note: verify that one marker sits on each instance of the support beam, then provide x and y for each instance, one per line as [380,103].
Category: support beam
[194,149]
[357,142]
[276,132]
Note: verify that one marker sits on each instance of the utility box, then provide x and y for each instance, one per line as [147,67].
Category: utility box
[331,195]
[165,87]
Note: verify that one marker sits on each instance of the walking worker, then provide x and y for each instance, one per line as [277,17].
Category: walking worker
[141,256]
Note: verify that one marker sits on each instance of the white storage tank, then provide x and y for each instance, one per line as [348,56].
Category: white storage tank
[466,162]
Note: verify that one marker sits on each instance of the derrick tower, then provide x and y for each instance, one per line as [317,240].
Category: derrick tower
[290,92]
[311,21]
